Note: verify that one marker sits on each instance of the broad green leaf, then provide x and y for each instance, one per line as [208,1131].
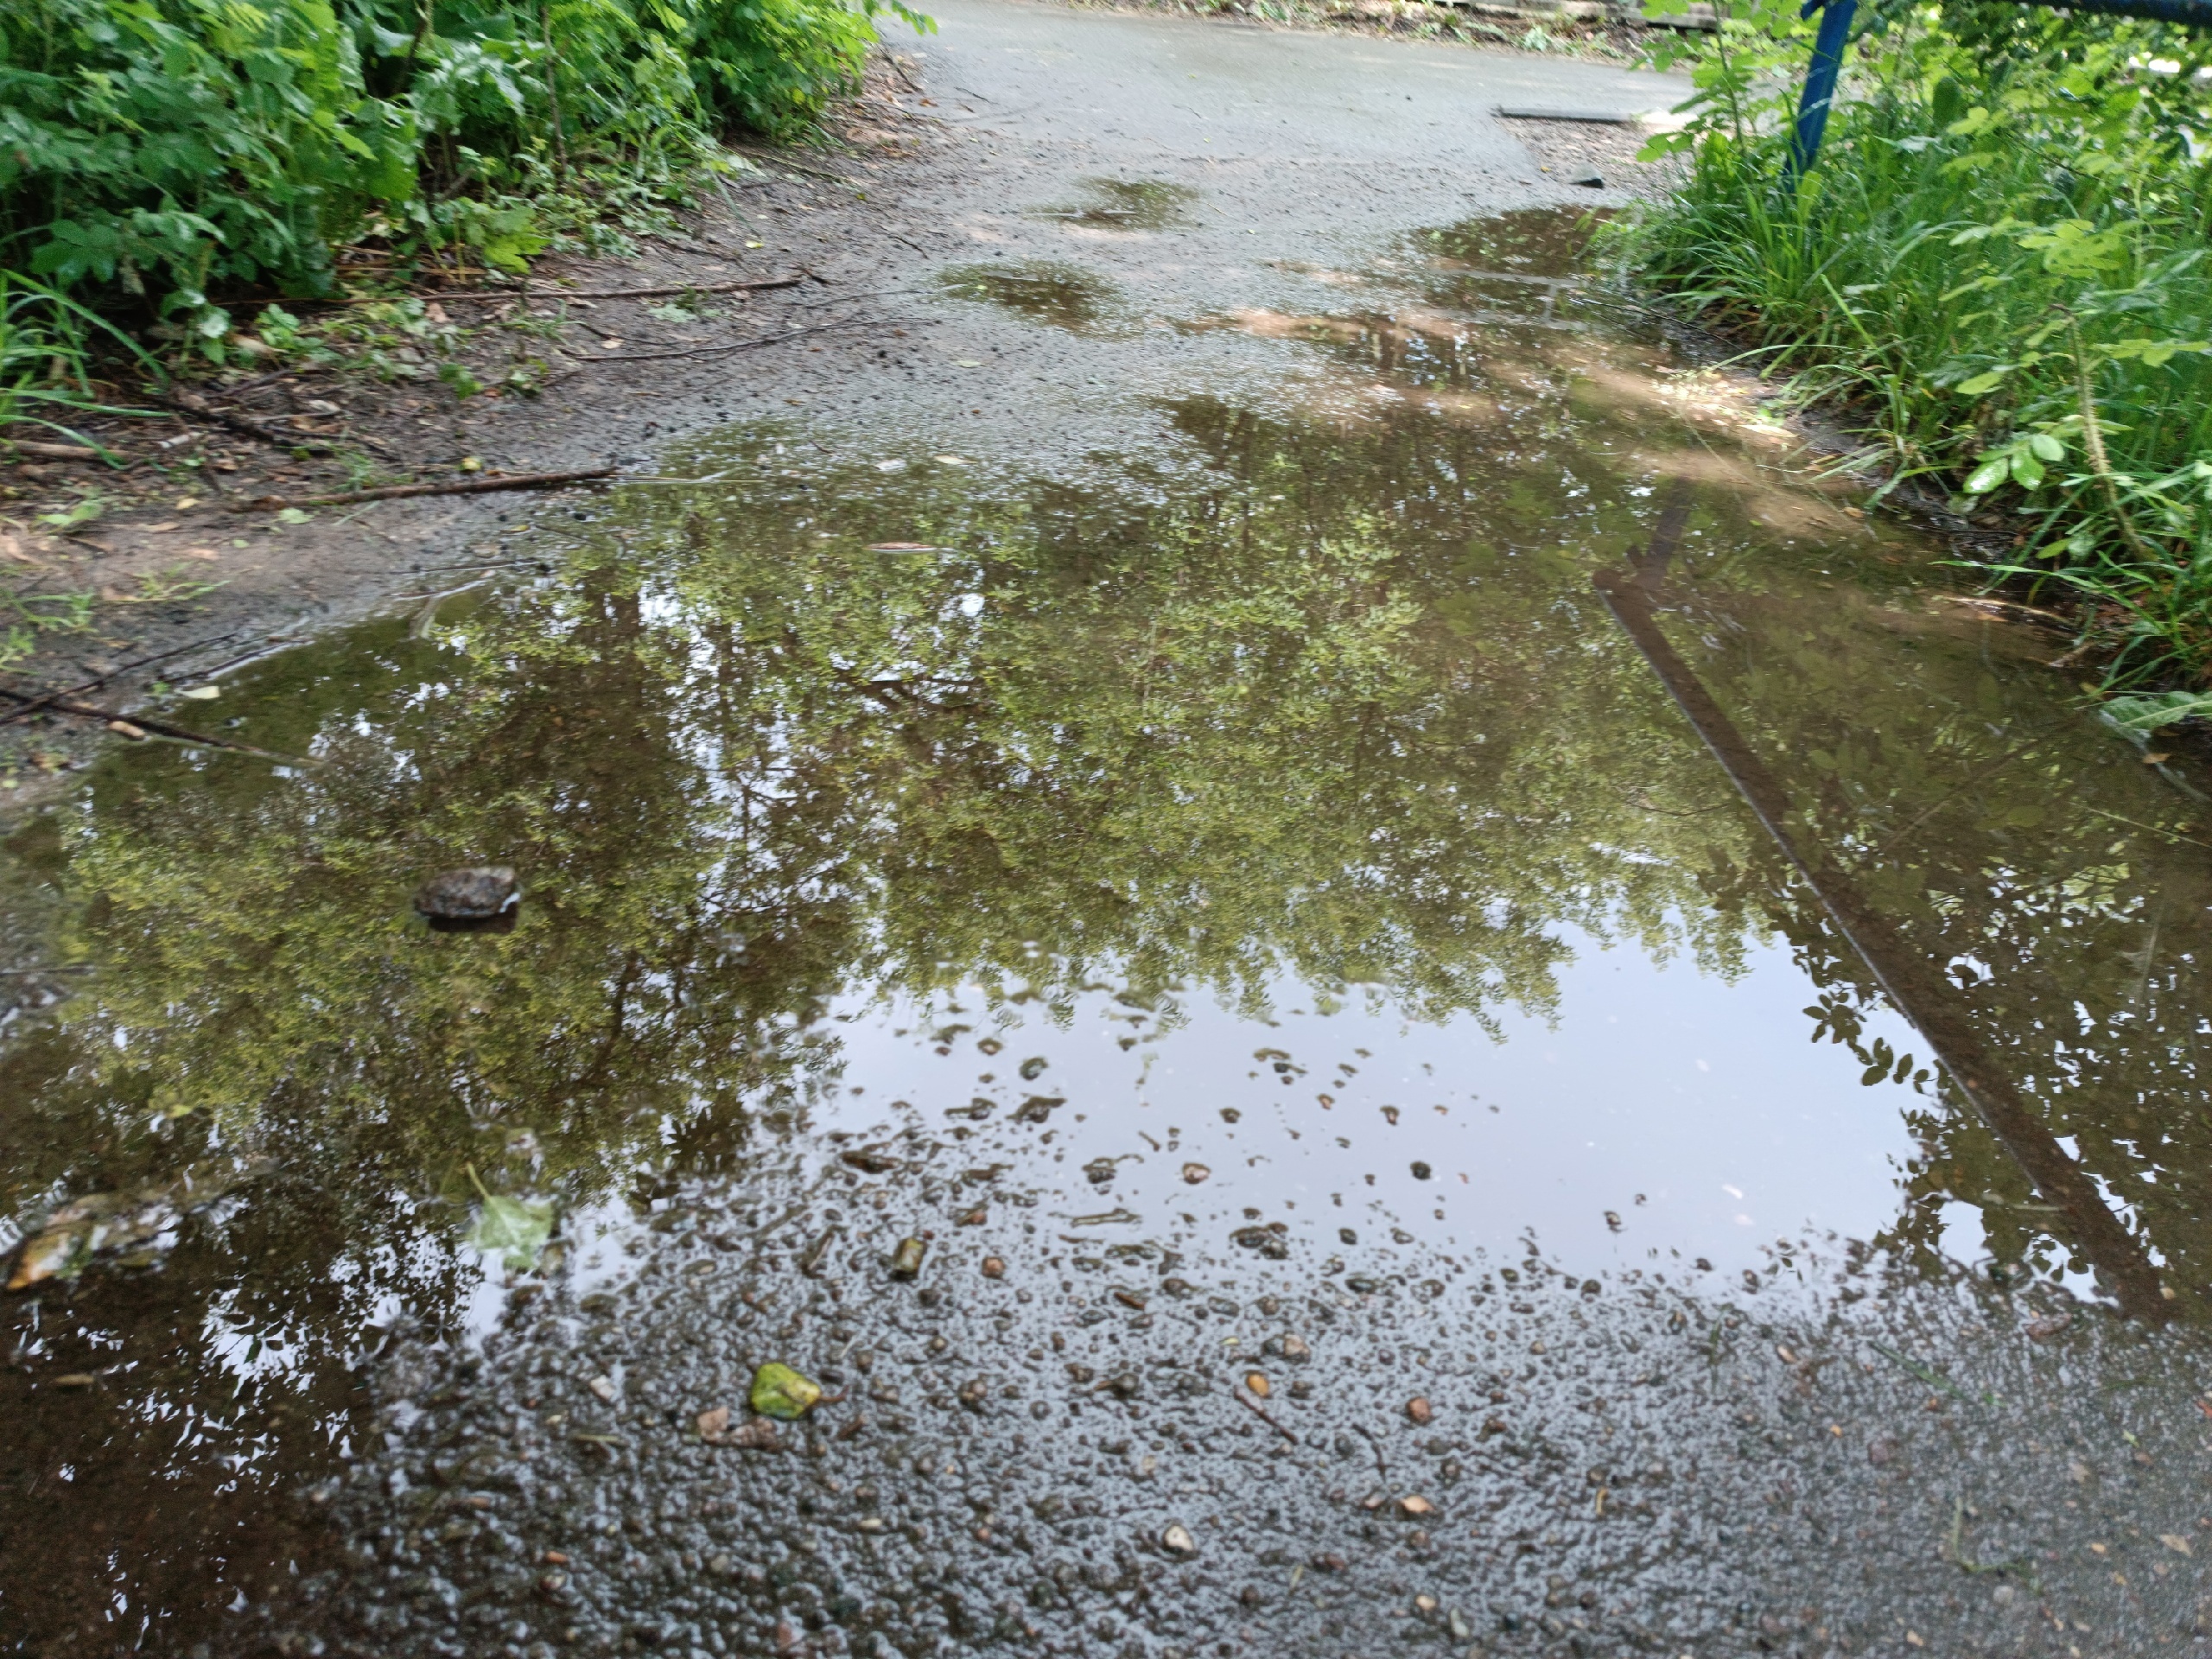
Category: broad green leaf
[514,1227]
[1983,383]
[1989,474]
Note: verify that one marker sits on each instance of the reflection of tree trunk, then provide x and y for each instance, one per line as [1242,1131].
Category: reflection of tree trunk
[1904,975]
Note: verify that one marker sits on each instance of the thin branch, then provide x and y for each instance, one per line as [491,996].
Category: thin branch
[397,492]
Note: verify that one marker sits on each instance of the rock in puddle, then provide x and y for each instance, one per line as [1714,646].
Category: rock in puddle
[476,893]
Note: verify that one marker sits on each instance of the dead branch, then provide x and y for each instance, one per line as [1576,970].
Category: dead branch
[191,404]
[28,705]
[605,293]
[723,351]
[139,725]
[54,451]
[398,492]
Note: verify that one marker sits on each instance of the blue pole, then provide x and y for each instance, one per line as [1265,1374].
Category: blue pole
[1820,83]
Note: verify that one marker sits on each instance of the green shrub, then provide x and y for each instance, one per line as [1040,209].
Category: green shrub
[2000,260]
[167,153]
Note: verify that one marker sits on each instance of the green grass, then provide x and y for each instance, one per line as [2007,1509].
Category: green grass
[1999,267]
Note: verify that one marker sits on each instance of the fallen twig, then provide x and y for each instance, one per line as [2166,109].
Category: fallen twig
[28,705]
[612,293]
[192,404]
[398,492]
[722,351]
[140,726]
[1254,1406]
[41,451]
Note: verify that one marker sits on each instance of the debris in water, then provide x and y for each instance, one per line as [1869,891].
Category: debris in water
[869,1160]
[515,1229]
[110,1222]
[1177,1540]
[1589,180]
[906,1259]
[1419,1411]
[475,894]
[1099,1171]
[993,1268]
[604,1387]
[1258,1382]
[780,1392]
[713,1425]
[1416,1505]
[1195,1174]
[1033,1068]
[1422,1172]
[1107,1218]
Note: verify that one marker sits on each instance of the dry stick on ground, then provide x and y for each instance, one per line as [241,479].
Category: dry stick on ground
[54,451]
[608,293]
[721,351]
[398,492]
[192,404]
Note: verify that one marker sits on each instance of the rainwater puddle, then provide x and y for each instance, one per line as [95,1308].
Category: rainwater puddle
[1260,864]
[1066,296]
[1128,205]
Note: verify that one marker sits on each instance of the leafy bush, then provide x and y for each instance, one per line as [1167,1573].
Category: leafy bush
[2000,259]
[167,152]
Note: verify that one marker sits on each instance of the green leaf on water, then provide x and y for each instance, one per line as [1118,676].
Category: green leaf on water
[516,1228]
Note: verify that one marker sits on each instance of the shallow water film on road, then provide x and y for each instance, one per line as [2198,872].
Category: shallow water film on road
[1209,1003]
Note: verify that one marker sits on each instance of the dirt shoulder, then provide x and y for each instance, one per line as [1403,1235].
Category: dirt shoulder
[190,563]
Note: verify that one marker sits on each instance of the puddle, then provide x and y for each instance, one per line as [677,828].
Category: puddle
[1066,296]
[1128,205]
[1260,864]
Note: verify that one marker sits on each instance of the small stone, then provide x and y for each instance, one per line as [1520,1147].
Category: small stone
[975,1217]
[1196,1173]
[993,1268]
[1177,1540]
[1129,1299]
[780,1392]
[1425,1604]
[2051,1324]
[1331,1562]
[57,1250]
[1422,1172]
[1258,1382]
[1416,1505]
[713,1425]
[759,1435]
[475,894]
[1418,1410]
[906,1259]
[869,1160]
[1295,1351]
[1456,1622]
[604,1387]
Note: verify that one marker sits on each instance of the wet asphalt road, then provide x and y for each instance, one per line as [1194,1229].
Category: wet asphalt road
[1183,1433]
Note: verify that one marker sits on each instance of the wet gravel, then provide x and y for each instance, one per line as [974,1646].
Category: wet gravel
[1595,1466]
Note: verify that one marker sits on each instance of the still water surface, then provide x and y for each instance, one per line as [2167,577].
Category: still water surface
[1269,825]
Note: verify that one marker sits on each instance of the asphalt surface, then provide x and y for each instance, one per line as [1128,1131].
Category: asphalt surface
[1140,1434]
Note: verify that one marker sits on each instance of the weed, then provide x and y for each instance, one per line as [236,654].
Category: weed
[1998,264]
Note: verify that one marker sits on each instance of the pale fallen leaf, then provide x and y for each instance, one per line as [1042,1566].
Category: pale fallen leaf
[156,530]
[2174,1540]
[202,693]
[185,503]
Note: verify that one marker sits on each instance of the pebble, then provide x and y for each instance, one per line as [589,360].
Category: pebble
[993,1268]
[1420,1411]
[1177,1540]
[1196,1173]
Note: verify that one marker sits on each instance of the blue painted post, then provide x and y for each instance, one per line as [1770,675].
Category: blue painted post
[1820,83]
